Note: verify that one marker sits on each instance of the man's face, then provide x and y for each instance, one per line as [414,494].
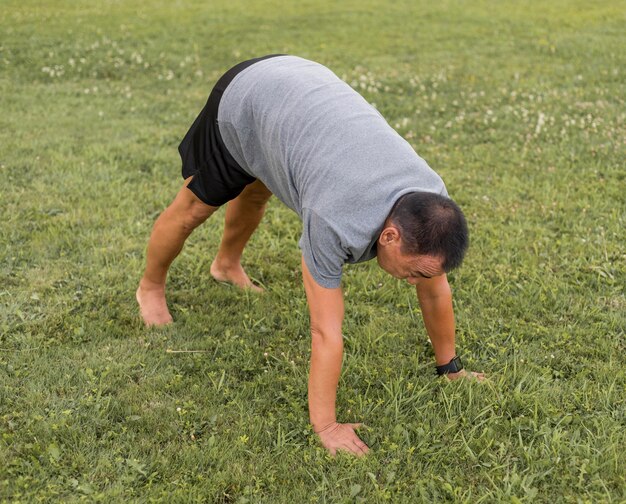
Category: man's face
[411,268]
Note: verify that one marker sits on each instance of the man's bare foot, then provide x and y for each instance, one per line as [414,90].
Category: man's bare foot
[152,305]
[234,275]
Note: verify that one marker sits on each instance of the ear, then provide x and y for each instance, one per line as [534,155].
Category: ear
[389,235]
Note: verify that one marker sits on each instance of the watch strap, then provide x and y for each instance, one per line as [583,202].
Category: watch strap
[454,366]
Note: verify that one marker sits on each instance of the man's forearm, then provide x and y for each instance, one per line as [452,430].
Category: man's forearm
[438,314]
[326,356]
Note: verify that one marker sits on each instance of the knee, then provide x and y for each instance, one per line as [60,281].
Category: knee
[195,215]
[258,204]
[257,199]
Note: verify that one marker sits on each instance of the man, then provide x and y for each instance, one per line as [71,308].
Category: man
[287,126]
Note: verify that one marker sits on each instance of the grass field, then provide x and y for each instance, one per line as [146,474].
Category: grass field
[520,106]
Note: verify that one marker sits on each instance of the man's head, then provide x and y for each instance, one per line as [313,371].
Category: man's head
[425,235]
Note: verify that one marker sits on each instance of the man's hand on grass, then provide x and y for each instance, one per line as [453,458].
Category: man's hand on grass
[465,374]
[338,436]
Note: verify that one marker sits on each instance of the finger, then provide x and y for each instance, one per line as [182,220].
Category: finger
[361,446]
[356,425]
[352,448]
[360,451]
[358,442]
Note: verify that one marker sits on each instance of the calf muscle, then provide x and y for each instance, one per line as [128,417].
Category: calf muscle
[171,230]
[168,236]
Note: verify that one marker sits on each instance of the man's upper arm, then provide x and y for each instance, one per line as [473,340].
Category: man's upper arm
[325,305]
[322,250]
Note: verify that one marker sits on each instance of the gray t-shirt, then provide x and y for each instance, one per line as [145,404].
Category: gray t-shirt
[325,152]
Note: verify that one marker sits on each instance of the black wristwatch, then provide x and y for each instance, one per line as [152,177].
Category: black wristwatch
[454,366]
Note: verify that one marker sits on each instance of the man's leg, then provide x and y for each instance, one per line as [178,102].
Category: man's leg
[169,233]
[243,215]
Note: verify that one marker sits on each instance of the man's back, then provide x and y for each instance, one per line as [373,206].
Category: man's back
[325,152]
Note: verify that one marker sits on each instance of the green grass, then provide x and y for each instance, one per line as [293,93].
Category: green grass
[518,105]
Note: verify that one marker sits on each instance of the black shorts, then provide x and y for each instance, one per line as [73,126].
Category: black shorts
[217,177]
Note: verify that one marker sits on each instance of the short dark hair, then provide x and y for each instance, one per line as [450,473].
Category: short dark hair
[431,224]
